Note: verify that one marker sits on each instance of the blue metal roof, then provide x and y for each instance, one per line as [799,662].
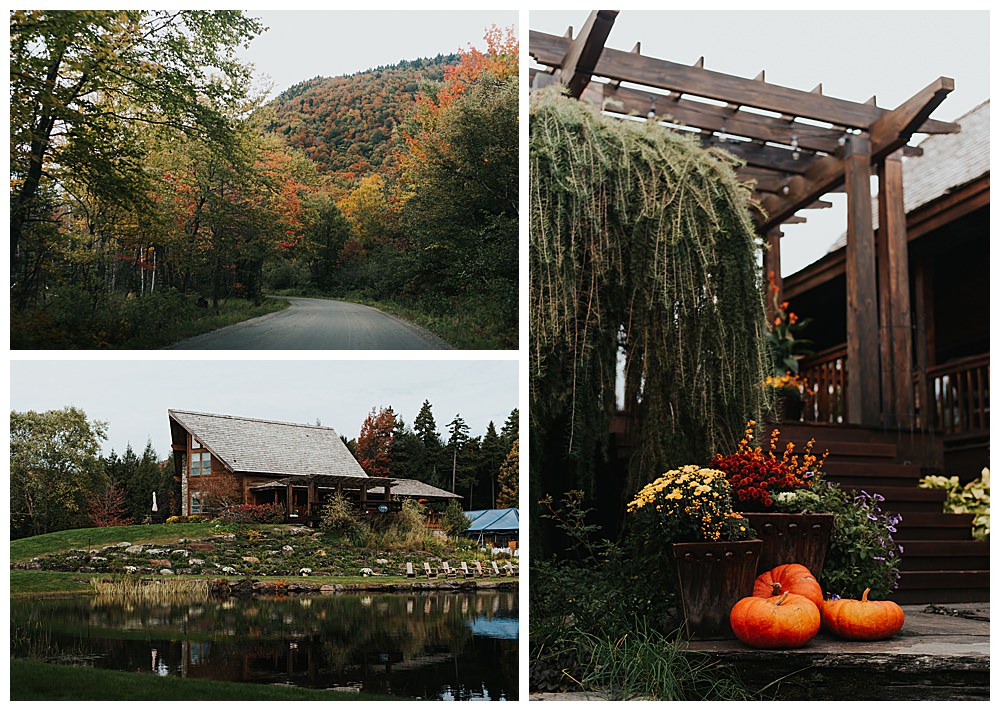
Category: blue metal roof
[493,520]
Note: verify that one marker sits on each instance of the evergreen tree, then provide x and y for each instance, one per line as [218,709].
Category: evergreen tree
[459,435]
[138,478]
[491,456]
[508,480]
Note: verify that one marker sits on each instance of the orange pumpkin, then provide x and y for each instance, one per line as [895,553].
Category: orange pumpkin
[782,622]
[793,578]
[863,619]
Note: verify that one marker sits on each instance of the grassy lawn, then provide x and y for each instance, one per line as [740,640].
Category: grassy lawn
[25,549]
[35,681]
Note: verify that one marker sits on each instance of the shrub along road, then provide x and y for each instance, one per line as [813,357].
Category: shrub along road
[311,324]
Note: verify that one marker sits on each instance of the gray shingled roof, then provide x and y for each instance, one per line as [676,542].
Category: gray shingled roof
[949,161]
[418,490]
[266,447]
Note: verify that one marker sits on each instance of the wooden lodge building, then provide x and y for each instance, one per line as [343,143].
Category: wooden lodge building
[899,383]
[298,466]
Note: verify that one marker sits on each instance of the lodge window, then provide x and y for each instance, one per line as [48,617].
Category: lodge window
[201,464]
[195,444]
[196,506]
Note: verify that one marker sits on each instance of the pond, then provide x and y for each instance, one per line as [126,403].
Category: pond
[424,645]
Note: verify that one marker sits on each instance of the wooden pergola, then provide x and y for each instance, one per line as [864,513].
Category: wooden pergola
[796,146]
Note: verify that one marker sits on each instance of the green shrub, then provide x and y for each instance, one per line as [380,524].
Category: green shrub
[862,553]
[455,521]
[340,517]
[973,498]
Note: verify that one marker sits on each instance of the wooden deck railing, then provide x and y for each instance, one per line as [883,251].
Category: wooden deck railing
[825,374]
[958,393]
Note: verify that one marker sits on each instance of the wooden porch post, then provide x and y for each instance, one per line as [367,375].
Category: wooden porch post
[894,296]
[288,501]
[862,309]
[311,496]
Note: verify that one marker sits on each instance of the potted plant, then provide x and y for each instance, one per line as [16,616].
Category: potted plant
[862,553]
[757,477]
[786,348]
[713,547]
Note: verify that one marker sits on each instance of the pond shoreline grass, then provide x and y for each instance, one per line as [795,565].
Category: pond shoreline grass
[38,681]
[47,583]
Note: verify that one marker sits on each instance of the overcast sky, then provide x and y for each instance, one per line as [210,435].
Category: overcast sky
[855,55]
[133,396]
[302,44]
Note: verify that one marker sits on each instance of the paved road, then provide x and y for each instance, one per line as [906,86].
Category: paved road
[311,324]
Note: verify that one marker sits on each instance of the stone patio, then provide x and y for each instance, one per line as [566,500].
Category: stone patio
[942,653]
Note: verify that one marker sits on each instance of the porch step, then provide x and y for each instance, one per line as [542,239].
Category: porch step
[826,433]
[938,555]
[881,473]
[925,586]
[926,526]
[900,499]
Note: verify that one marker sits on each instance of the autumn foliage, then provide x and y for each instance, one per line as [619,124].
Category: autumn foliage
[374,448]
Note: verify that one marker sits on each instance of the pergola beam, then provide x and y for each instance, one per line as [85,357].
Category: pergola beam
[888,134]
[578,61]
[617,65]
[629,101]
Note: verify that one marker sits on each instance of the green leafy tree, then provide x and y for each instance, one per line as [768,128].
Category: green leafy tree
[54,469]
[83,84]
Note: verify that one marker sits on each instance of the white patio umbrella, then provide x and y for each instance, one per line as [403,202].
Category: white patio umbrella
[154,502]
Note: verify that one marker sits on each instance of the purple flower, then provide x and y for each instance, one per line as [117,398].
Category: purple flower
[878,557]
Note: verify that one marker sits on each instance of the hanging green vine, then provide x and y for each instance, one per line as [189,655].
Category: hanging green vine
[642,248]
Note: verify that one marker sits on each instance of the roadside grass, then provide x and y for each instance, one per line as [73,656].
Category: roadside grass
[37,681]
[73,318]
[467,327]
[229,311]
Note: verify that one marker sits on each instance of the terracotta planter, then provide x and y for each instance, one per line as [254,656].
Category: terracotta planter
[712,577]
[792,538]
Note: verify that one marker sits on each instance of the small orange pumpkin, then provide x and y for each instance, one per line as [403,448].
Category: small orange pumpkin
[864,619]
[793,578]
[782,622]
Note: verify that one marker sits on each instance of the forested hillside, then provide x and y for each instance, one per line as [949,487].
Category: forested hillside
[346,124]
[150,186]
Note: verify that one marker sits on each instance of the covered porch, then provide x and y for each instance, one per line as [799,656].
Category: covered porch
[304,496]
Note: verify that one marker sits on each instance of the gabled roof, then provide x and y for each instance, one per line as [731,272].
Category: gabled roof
[493,520]
[251,446]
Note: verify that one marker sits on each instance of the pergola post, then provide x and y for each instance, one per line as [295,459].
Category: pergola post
[862,310]
[894,296]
